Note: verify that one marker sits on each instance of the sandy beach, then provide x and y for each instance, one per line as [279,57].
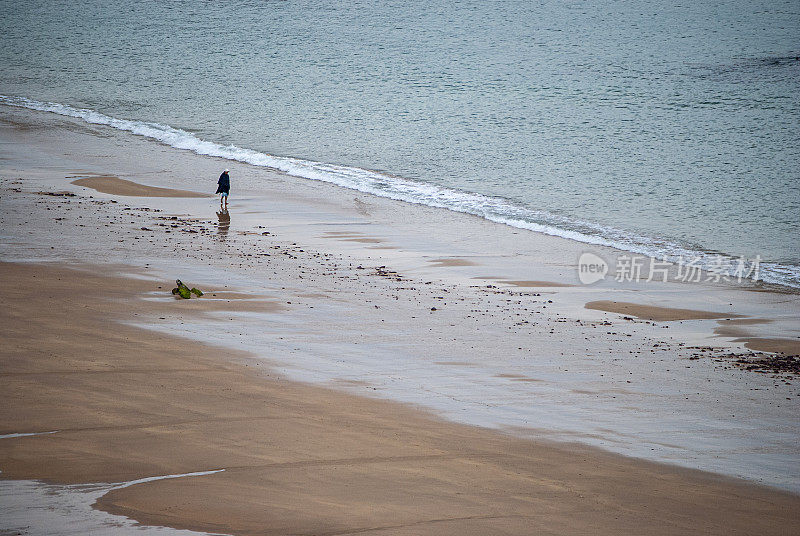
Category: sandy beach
[348,371]
[299,459]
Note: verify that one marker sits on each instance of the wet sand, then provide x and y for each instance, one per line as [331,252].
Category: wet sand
[286,281]
[128,403]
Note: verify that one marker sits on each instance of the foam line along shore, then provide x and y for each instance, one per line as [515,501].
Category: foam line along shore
[494,209]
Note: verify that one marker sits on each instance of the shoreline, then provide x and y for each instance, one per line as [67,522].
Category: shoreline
[299,458]
[491,208]
[356,273]
[475,323]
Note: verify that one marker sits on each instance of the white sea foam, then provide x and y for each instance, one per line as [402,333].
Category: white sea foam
[491,208]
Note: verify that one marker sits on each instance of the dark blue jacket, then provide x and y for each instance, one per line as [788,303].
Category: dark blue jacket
[224,184]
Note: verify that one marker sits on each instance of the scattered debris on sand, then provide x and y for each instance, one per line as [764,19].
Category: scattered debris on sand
[770,363]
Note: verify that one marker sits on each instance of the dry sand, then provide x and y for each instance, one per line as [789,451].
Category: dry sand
[116,186]
[653,312]
[764,344]
[726,320]
[298,459]
[535,284]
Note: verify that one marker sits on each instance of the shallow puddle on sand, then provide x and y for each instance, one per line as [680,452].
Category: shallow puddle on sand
[25,434]
[34,508]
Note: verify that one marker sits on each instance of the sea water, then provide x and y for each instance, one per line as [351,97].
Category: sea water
[665,129]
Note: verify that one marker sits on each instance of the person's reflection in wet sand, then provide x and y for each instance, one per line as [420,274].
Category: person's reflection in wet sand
[224,224]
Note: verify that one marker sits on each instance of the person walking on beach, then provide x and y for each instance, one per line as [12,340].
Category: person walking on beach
[224,188]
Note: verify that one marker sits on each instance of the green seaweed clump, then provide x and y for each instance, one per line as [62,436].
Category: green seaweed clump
[184,292]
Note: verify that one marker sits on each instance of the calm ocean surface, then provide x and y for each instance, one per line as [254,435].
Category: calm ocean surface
[663,129]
